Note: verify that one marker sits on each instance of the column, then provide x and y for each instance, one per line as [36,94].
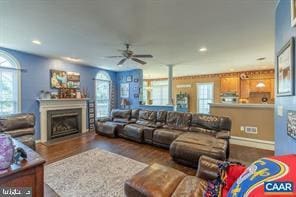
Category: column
[170,80]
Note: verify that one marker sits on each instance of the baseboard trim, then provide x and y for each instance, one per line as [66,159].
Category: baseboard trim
[262,144]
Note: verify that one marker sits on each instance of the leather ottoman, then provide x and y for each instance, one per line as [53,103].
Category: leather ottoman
[188,147]
[155,180]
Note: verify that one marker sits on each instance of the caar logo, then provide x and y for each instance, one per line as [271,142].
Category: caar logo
[278,187]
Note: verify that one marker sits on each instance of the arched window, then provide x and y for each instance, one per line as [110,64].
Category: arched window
[103,92]
[9,84]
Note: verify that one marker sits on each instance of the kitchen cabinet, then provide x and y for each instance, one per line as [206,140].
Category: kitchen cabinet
[230,84]
[254,82]
[249,86]
[245,89]
[272,91]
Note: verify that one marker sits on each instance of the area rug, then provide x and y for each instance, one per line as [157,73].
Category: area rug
[92,173]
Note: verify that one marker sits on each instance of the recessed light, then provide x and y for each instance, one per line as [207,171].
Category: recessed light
[72,59]
[38,42]
[203,49]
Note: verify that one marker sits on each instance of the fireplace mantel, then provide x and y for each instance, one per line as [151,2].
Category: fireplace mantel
[59,104]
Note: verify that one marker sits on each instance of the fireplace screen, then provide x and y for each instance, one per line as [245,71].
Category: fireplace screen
[62,123]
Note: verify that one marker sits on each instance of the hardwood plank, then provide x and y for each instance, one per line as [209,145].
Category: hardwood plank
[141,152]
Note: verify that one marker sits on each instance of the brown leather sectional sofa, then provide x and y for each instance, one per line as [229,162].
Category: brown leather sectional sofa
[187,135]
[159,180]
[19,126]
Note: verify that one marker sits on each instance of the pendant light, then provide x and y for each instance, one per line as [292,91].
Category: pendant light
[260,85]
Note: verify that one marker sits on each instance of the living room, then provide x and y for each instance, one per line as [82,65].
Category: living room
[147,98]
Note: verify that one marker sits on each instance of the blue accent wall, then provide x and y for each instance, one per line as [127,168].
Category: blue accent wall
[283,32]
[37,77]
[134,86]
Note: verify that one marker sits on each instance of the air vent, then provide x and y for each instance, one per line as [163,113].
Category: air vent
[252,130]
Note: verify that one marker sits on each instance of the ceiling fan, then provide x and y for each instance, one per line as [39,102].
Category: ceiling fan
[128,54]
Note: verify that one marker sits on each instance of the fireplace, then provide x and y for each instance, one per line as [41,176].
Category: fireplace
[64,122]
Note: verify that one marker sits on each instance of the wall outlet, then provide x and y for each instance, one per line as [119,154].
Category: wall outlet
[242,128]
[252,130]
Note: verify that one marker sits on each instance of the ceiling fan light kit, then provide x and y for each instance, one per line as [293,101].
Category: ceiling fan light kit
[128,54]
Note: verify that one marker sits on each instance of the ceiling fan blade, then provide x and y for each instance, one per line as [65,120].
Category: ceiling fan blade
[114,56]
[143,56]
[122,61]
[139,61]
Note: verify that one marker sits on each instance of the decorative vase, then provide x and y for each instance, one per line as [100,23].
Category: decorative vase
[6,151]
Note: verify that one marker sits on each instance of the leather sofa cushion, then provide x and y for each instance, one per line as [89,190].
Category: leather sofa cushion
[109,128]
[121,115]
[17,121]
[28,140]
[190,146]
[210,122]
[21,132]
[134,131]
[135,114]
[161,118]
[155,180]
[208,168]
[203,130]
[123,120]
[191,186]
[166,136]
[147,118]
[178,120]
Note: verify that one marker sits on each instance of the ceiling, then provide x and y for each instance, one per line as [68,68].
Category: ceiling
[236,32]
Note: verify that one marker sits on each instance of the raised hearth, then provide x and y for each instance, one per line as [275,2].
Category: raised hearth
[62,117]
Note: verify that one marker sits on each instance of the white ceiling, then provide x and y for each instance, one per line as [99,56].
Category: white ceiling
[236,32]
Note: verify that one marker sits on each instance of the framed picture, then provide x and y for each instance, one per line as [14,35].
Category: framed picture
[293,13]
[285,70]
[136,80]
[62,79]
[291,128]
[124,90]
[58,79]
[129,78]
[73,80]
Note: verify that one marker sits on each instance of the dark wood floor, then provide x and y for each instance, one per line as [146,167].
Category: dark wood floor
[140,152]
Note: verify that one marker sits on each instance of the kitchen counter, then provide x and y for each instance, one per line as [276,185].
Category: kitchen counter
[242,105]
[251,123]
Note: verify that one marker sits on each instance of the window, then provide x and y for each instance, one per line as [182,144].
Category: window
[205,95]
[159,92]
[103,83]
[9,84]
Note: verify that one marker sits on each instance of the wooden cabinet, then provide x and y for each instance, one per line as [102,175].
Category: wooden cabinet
[245,89]
[27,173]
[249,86]
[254,82]
[272,91]
[230,84]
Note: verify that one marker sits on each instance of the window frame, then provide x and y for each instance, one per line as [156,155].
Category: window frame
[165,101]
[110,91]
[198,98]
[17,68]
